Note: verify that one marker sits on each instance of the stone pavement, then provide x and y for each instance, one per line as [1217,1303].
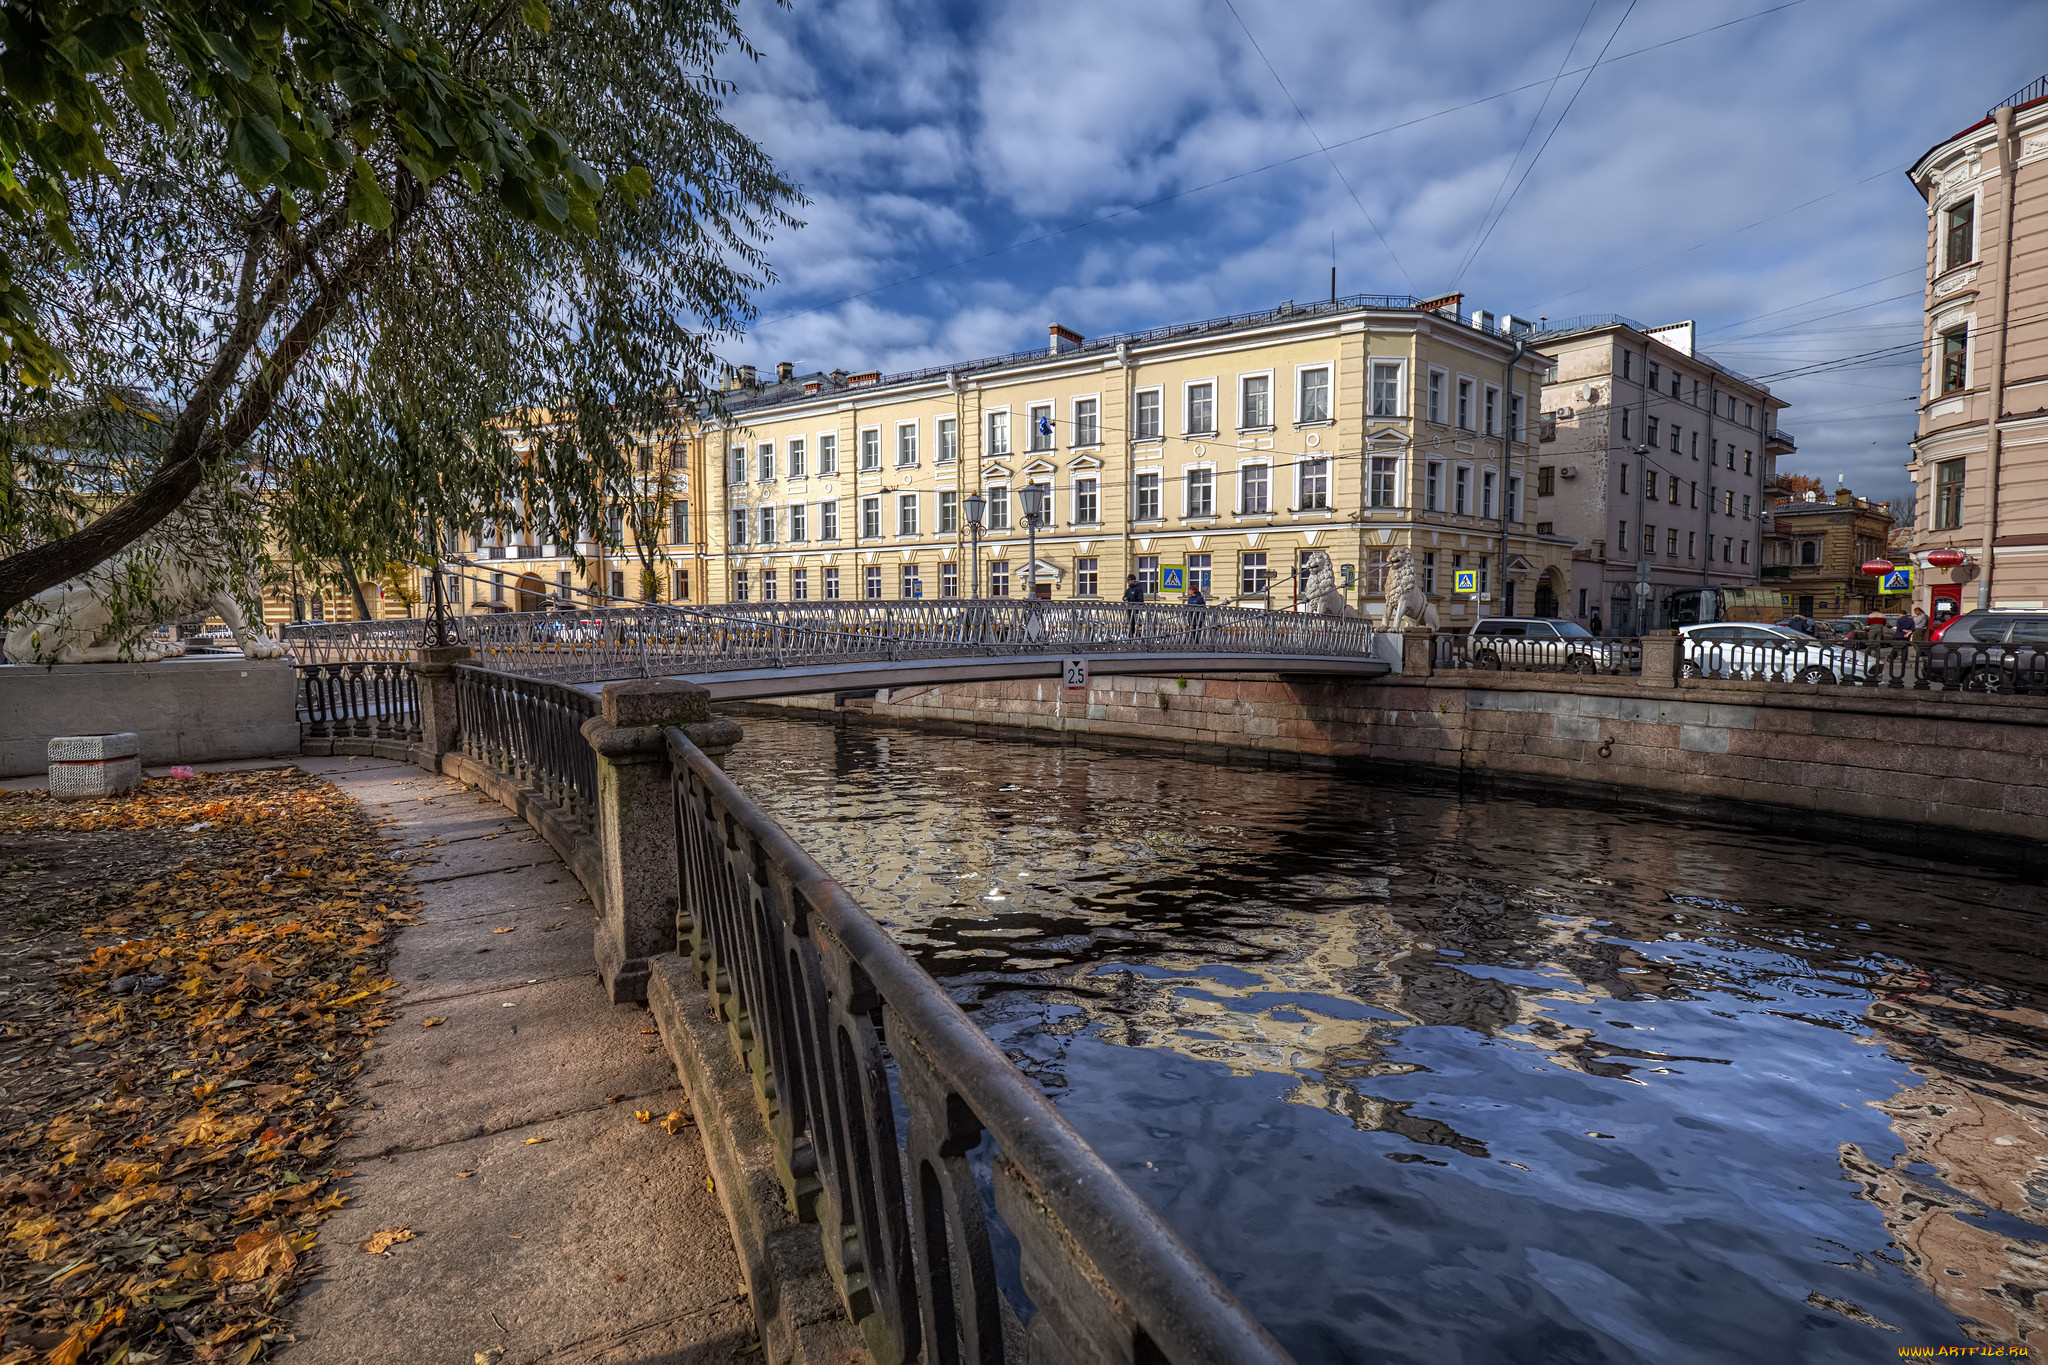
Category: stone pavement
[549,1225]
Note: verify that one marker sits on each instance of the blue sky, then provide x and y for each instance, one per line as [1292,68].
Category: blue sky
[978,171]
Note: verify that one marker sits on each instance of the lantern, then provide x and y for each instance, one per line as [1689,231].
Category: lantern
[1945,559]
[1876,568]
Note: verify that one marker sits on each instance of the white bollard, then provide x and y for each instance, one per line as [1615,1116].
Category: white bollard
[83,766]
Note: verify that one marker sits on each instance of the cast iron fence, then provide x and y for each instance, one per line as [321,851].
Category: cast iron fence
[359,701]
[531,729]
[332,642]
[1507,654]
[1899,664]
[843,1033]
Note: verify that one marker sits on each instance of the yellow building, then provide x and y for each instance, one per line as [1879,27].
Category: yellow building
[1230,447]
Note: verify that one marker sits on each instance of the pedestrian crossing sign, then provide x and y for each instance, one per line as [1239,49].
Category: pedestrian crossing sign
[1173,578]
[1468,581]
[1896,580]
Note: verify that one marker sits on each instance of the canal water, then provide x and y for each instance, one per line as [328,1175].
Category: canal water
[1447,1079]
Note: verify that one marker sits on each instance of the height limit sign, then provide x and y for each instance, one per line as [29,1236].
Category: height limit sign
[1074,675]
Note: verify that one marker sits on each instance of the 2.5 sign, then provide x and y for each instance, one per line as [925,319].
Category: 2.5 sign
[1074,675]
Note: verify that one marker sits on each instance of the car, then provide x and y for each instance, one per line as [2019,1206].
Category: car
[1990,651]
[1540,644]
[1753,650]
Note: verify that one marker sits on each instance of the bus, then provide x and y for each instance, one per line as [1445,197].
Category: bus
[1696,606]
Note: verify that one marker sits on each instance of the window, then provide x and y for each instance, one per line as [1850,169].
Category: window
[738,465]
[1386,388]
[739,527]
[1623,471]
[1948,495]
[1381,480]
[1255,401]
[1749,414]
[615,523]
[767,461]
[679,521]
[1376,565]
[1201,409]
[1148,574]
[767,585]
[1198,573]
[1315,395]
[1485,575]
[1674,438]
[1465,404]
[908,583]
[949,580]
[1621,540]
[1624,424]
[498,588]
[1654,372]
[1486,478]
[796,458]
[1671,490]
[828,454]
[1745,552]
[1809,554]
[1148,497]
[679,586]
[871,582]
[1689,538]
[1252,575]
[1650,485]
[1429,573]
[1436,396]
[1086,502]
[828,520]
[799,521]
[1649,539]
[679,457]
[1041,426]
[1145,425]
[1492,410]
[948,429]
[1433,487]
[1315,483]
[643,457]
[1254,489]
[1728,502]
[1727,544]
[906,514]
[999,507]
[1959,234]
[1628,364]
[1693,491]
[1045,500]
[871,518]
[999,578]
[831,585]
[767,526]
[1674,384]
[1201,491]
[1745,459]
[1745,507]
[1087,422]
[998,434]
[906,444]
[1514,503]
[1696,450]
[799,585]
[739,586]
[1087,577]
[1546,481]
[1955,359]
[1461,491]
[1650,432]
[1671,542]
[871,448]
[949,512]
[1515,430]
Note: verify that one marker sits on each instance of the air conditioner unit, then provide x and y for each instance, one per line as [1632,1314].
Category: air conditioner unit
[1570,471]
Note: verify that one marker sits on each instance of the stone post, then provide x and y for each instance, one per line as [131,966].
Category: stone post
[1660,658]
[440,731]
[636,821]
[1416,653]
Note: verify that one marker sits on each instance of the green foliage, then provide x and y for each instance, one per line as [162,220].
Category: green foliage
[332,244]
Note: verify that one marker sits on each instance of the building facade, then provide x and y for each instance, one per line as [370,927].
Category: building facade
[1653,460]
[1980,459]
[1816,552]
[1230,448]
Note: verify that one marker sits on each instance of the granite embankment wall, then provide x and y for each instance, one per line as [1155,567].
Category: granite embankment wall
[1931,767]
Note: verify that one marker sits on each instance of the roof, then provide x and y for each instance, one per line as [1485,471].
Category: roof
[2026,97]
[1597,322]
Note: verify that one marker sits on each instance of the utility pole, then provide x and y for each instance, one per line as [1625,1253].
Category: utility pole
[1507,455]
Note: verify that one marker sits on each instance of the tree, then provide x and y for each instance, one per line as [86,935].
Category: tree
[1796,484]
[325,246]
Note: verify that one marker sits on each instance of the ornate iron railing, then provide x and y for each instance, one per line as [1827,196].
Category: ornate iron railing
[843,1032]
[334,642]
[1898,664]
[531,729]
[358,701]
[1500,653]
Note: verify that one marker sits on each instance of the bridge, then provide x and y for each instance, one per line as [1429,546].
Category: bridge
[779,649]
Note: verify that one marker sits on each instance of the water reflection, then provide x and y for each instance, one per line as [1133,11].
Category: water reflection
[1441,1079]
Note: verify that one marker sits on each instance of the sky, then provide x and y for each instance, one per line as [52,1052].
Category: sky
[976,172]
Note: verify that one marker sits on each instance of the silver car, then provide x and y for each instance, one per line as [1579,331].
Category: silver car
[1540,645]
[1762,653]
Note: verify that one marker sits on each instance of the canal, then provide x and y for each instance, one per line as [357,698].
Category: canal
[1439,1078]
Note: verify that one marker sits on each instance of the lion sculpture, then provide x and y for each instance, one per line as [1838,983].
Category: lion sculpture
[1319,590]
[1407,604]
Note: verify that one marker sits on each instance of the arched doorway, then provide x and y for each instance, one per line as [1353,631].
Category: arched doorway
[1546,593]
[533,593]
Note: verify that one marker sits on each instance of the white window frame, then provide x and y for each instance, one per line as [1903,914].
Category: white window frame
[739,524]
[1094,495]
[1032,412]
[907,436]
[1974,197]
[868,446]
[1461,402]
[799,523]
[1489,487]
[1400,369]
[1187,396]
[1187,488]
[1461,490]
[1158,392]
[764,521]
[1371,473]
[1438,399]
[764,462]
[1433,486]
[871,503]
[907,512]
[1489,409]
[990,491]
[828,519]
[1074,441]
[988,432]
[797,449]
[1256,463]
[1138,491]
[1301,374]
[1301,478]
[1051,507]
[828,454]
[945,440]
[1243,377]
[949,512]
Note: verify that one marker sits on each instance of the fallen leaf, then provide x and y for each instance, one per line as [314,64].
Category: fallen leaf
[531,1141]
[650,1030]
[490,1357]
[506,930]
[256,1254]
[709,1187]
[676,1121]
[381,1242]
[465,1174]
[432,1020]
[644,1115]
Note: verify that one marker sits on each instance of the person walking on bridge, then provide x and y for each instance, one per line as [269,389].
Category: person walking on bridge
[1134,596]
[1195,602]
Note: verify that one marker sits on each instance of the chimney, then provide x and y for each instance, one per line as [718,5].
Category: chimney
[1843,497]
[838,378]
[784,371]
[811,386]
[1064,339]
[1452,304]
[746,376]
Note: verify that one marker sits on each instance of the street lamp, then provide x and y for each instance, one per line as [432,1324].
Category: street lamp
[976,506]
[1035,499]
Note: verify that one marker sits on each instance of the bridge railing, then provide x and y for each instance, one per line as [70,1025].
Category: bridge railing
[366,701]
[1506,654]
[334,642]
[531,731]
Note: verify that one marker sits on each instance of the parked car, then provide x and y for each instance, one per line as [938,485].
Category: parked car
[1732,650]
[1540,644]
[1991,651]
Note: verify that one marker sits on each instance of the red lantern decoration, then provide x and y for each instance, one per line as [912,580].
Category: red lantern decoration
[1876,568]
[1946,559]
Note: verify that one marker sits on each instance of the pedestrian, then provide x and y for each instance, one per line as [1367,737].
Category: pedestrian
[1196,603]
[1919,620]
[1134,596]
[1903,627]
[1596,621]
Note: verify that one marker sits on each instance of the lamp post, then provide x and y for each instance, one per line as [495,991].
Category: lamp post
[976,506]
[1033,498]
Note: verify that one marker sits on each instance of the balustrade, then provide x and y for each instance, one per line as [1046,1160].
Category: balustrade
[359,701]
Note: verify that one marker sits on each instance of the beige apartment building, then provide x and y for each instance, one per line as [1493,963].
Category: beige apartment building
[1653,460]
[1980,460]
[1230,447]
